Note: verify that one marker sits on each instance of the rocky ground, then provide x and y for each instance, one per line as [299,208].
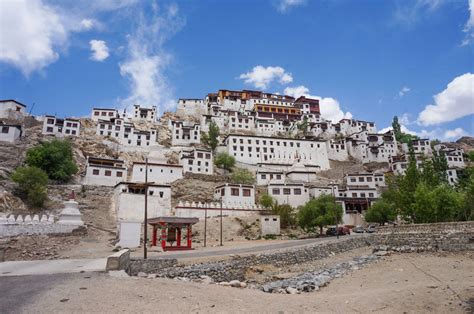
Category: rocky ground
[400,283]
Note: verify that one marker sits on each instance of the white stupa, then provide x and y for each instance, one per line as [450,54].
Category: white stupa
[71,215]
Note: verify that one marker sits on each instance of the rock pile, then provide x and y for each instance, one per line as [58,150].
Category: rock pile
[311,281]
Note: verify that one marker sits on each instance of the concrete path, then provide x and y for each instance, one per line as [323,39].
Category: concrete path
[221,251]
[47,267]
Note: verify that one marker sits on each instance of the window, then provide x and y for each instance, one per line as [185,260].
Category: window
[354,194]
[371,194]
[108,173]
[95,172]
[286,191]
[234,192]
[369,179]
[297,191]
[361,179]
[276,191]
[353,180]
[222,192]
[263,176]
[6,128]
[246,192]
[362,194]
[119,174]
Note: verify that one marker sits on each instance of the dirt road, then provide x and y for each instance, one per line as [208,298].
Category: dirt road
[409,283]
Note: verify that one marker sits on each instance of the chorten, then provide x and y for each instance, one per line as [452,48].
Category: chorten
[70,215]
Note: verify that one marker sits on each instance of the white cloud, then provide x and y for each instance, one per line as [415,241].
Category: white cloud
[330,108]
[405,119]
[454,134]
[469,27]
[286,5]
[30,33]
[99,49]
[412,12]
[261,77]
[147,61]
[87,24]
[33,33]
[431,134]
[402,127]
[403,91]
[455,102]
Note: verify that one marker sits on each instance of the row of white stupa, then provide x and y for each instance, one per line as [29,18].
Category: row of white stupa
[217,205]
[27,220]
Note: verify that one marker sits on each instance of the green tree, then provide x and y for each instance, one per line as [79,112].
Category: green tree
[267,201]
[440,166]
[55,158]
[397,128]
[399,135]
[286,213]
[466,211]
[224,161]
[381,212]
[242,176]
[211,138]
[303,125]
[436,205]
[470,156]
[319,212]
[31,185]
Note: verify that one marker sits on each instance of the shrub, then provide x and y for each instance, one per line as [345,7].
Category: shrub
[31,185]
[380,212]
[55,158]
[286,213]
[224,161]
[211,138]
[319,212]
[242,176]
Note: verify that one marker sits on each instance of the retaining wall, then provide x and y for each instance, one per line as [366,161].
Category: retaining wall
[452,237]
[235,268]
[410,238]
[149,266]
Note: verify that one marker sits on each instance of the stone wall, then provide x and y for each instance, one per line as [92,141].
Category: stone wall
[235,269]
[149,266]
[442,227]
[452,237]
[407,238]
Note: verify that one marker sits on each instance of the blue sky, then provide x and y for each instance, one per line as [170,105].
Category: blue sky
[367,59]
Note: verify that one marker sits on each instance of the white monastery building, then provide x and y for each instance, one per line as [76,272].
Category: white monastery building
[10,132]
[235,195]
[159,173]
[144,114]
[61,127]
[104,114]
[184,133]
[252,150]
[12,109]
[104,171]
[129,203]
[197,161]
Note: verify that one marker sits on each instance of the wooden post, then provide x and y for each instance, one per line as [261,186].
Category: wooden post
[190,234]
[163,236]
[155,231]
[178,237]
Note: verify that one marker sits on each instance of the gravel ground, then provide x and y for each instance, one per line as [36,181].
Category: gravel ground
[401,283]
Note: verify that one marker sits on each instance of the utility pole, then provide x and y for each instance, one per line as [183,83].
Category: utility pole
[221,219]
[205,226]
[333,195]
[146,211]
